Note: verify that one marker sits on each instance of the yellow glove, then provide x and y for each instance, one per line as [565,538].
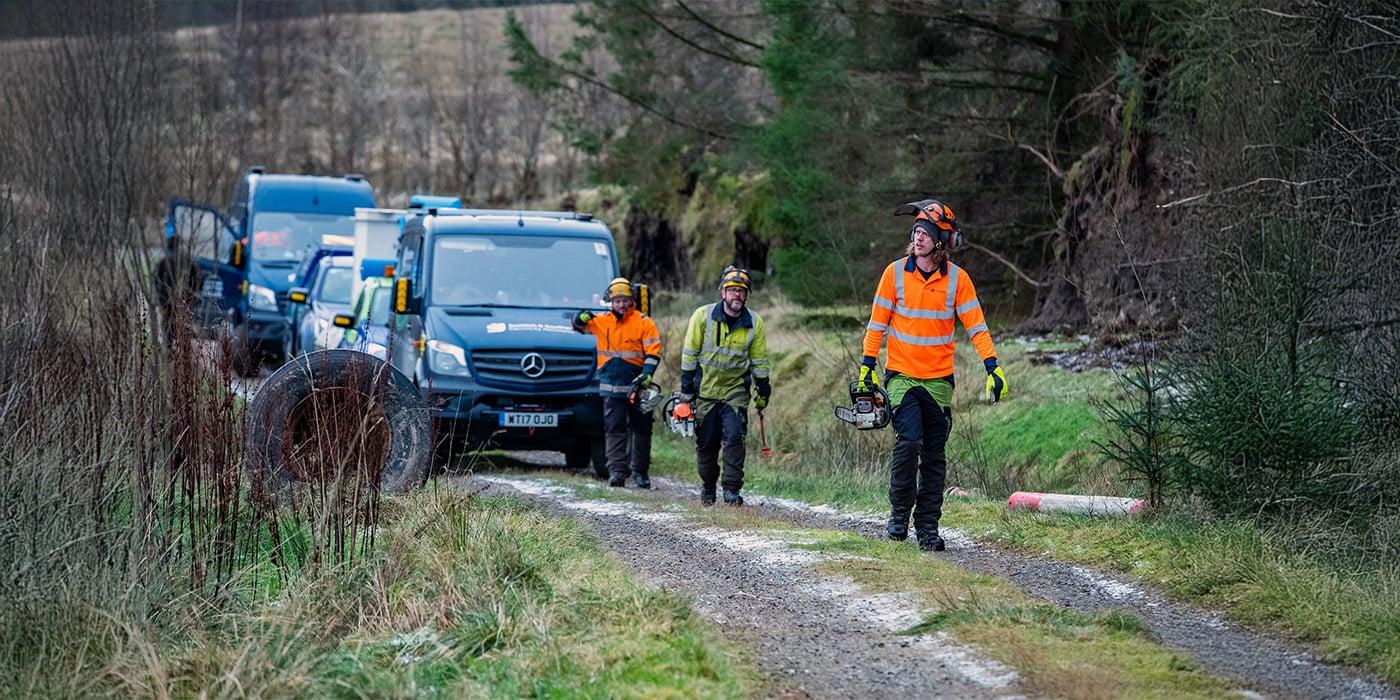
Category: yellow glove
[868,378]
[996,385]
[760,402]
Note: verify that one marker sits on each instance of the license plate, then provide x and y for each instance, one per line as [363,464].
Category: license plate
[213,287]
[530,420]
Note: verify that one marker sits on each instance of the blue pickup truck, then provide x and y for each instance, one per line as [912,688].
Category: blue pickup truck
[483,301]
[250,253]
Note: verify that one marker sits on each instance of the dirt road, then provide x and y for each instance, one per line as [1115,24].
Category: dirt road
[823,637]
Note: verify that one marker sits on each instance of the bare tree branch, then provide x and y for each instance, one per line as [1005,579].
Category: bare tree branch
[1251,183]
[695,45]
[717,29]
[1007,263]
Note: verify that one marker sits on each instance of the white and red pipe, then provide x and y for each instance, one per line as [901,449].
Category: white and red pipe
[1068,503]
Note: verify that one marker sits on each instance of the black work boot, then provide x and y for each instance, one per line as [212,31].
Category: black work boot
[617,479]
[930,542]
[897,527]
[641,479]
[732,498]
[707,494]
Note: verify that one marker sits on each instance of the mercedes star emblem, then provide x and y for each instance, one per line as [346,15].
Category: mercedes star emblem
[532,364]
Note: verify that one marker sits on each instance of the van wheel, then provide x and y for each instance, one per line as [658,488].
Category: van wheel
[338,417]
[585,452]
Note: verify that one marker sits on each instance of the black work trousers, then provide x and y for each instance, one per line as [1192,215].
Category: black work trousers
[621,419]
[918,467]
[721,428]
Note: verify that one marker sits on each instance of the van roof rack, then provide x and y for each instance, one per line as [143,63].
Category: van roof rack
[518,213]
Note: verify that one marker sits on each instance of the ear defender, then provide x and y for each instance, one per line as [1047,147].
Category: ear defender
[942,238]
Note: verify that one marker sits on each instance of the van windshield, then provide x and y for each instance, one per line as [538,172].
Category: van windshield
[280,235]
[519,271]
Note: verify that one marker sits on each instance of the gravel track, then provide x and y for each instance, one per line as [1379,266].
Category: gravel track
[823,637]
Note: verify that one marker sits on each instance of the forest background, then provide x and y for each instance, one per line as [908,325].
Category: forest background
[1218,178]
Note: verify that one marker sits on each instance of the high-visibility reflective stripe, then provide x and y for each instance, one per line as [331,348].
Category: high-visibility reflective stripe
[976,329]
[873,326]
[921,339]
[688,358]
[719,364]
[622,353]
[652,339]
[886,303]
[615,388]
[924,313]
[970,305]
[709,349]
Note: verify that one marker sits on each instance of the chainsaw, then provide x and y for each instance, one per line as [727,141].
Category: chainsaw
[870,407]
[680,418]
[645,399]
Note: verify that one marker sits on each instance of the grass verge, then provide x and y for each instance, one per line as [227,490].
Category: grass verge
[467,597]
[1300,581]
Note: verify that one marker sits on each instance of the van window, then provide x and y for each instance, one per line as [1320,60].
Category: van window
[510,270]
[379,311]
[336,285]
[279,235]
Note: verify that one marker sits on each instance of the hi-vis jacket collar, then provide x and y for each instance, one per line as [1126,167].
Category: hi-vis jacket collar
[910,266]
[745,319]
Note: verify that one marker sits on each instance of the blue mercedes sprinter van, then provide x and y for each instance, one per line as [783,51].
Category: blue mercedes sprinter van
[483,302]
[272,221]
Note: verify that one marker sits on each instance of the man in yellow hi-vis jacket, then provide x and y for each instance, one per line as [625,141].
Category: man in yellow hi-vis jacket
[725,353]
[915,304]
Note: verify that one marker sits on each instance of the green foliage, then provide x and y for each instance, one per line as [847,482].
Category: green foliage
[805,61]
[1263,408]
[1144,441]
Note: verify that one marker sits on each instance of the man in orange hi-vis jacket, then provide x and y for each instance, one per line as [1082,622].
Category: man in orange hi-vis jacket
[918,298]
[629,348]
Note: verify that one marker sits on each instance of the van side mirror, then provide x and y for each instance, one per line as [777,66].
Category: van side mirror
[403,296]
[297,295]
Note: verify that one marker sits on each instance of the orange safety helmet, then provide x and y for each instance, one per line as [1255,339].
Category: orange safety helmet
[935,219]
[619,287]
[735,277]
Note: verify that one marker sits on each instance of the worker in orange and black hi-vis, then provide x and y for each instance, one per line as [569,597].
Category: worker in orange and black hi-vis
[915,305]
[629,348]
[725,356]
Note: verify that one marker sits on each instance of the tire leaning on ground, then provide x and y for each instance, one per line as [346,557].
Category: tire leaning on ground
[337,414]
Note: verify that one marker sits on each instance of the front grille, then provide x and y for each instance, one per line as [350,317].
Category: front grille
[561,367]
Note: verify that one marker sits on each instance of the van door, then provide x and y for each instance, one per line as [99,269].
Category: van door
[204,233]
[405,346]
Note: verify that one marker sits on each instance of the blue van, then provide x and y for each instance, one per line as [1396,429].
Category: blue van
[250,259]
[483,301]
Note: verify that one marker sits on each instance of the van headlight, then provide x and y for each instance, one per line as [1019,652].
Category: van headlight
[261,298]
[446,358]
